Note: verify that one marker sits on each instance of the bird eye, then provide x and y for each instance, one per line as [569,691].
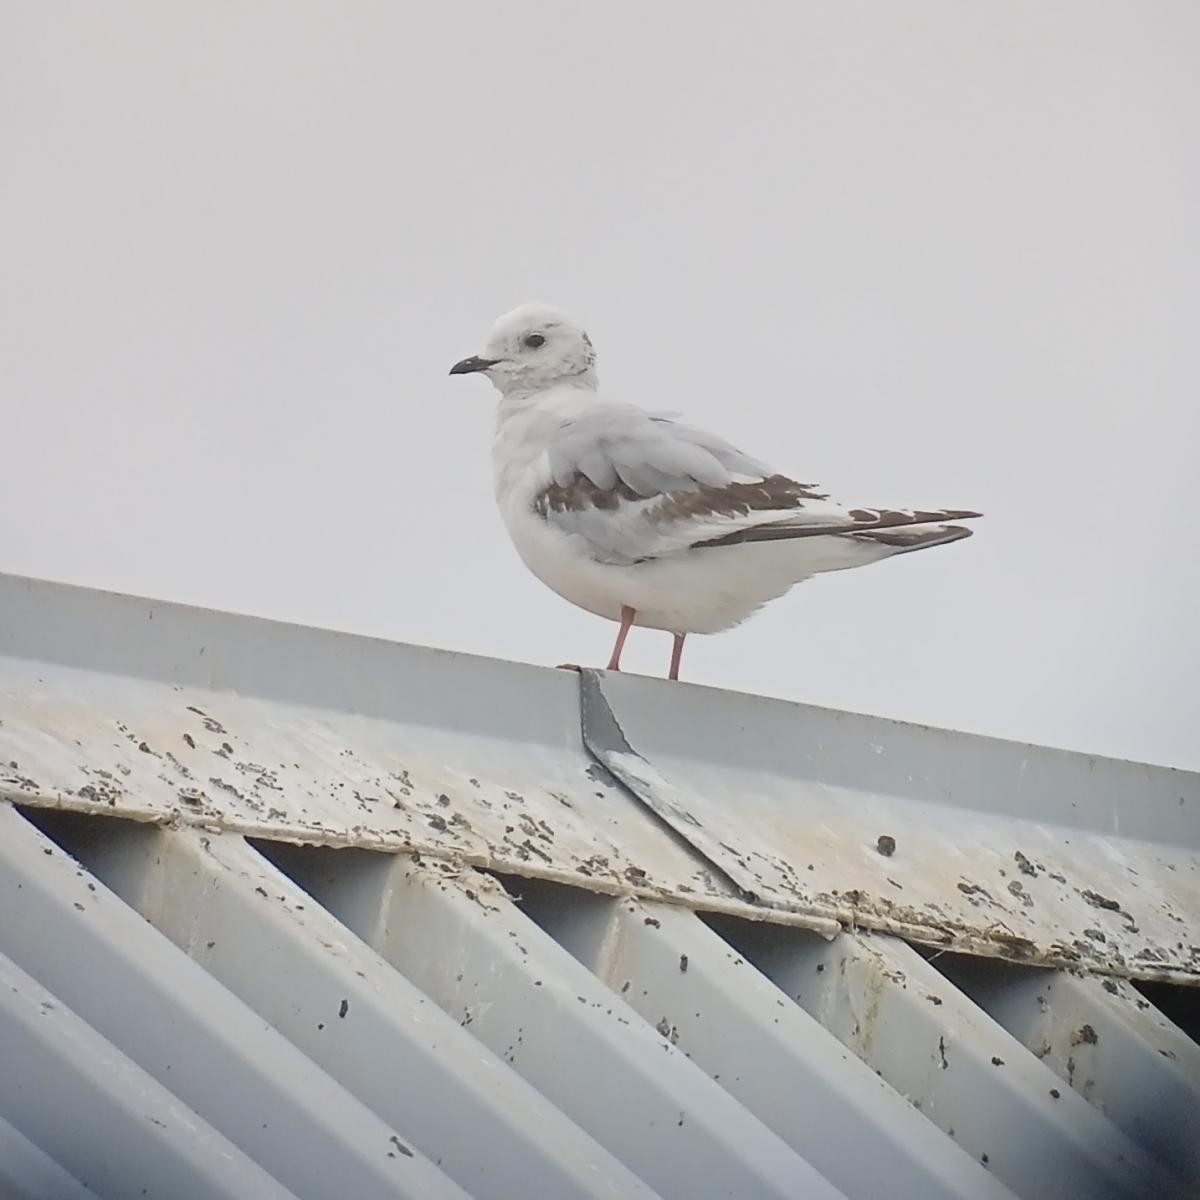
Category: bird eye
[534,340]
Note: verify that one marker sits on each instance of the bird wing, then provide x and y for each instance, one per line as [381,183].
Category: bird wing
[635,486]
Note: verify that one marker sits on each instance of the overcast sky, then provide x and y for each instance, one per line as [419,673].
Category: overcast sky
[929,253]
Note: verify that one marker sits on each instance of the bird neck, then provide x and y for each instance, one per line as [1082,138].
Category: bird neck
[575,391]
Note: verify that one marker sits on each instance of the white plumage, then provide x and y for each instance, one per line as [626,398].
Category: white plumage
[645,520]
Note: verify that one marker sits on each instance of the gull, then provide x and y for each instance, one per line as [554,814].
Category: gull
[645,520]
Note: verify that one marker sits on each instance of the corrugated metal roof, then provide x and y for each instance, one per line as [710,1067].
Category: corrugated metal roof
[285,912]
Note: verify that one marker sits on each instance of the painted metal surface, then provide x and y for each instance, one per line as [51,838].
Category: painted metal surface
[700,1013]
[965,1073]
[811,817]
[27,1172]
[367,1026]
[163,1011]
[108,1123]
[704,999]
[635,1021]
[462,940]
[948,840]
[1107,1042]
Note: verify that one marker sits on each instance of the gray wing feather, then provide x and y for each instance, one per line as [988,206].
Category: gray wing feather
[598,467]
[650,456]
[729,456]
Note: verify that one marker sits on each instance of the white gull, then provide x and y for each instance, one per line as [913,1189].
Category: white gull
[647,521]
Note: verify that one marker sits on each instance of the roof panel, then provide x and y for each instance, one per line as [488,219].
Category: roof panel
[75,1096]
[795,814]
[364,1024]
[456,933]
[167,1014]
[1107,1042]
[443,993]
[965,1072]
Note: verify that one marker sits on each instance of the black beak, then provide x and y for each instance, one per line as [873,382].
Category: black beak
[470,365]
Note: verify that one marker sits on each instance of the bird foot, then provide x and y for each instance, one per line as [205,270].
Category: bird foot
[569,667]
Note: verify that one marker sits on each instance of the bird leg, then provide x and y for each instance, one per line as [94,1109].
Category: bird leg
[676,655]
[627,615]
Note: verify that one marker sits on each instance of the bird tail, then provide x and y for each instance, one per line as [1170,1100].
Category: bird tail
[902,540]
[909,525]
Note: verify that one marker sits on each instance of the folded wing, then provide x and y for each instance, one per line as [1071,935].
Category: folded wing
[634,487]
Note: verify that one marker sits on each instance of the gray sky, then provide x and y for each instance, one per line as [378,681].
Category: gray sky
[928,253]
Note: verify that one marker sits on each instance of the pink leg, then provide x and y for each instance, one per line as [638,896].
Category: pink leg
[627,615]
[676,655]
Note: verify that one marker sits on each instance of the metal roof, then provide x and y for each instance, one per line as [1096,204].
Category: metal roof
[287,912]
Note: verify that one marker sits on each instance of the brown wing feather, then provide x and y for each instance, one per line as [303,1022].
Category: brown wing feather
[775,493]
